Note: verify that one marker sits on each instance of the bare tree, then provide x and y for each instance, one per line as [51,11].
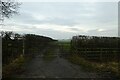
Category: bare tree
[8,8]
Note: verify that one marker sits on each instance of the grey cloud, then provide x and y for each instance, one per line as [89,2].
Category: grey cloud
[109,32]
[69,13]
[97,15]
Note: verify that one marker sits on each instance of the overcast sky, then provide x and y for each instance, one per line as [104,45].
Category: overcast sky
[61,20]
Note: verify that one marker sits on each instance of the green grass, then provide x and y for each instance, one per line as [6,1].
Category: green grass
[49,55]
[16,66]
[94,66]
[65,46]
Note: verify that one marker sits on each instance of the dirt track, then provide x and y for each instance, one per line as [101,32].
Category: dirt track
[57,67]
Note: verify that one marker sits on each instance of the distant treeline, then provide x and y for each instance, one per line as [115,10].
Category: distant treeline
[96,48]
[14,45]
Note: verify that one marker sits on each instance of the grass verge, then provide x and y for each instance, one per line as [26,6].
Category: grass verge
[111,67]
[16,66]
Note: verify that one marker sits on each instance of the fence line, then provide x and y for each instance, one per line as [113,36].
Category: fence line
[96,48]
